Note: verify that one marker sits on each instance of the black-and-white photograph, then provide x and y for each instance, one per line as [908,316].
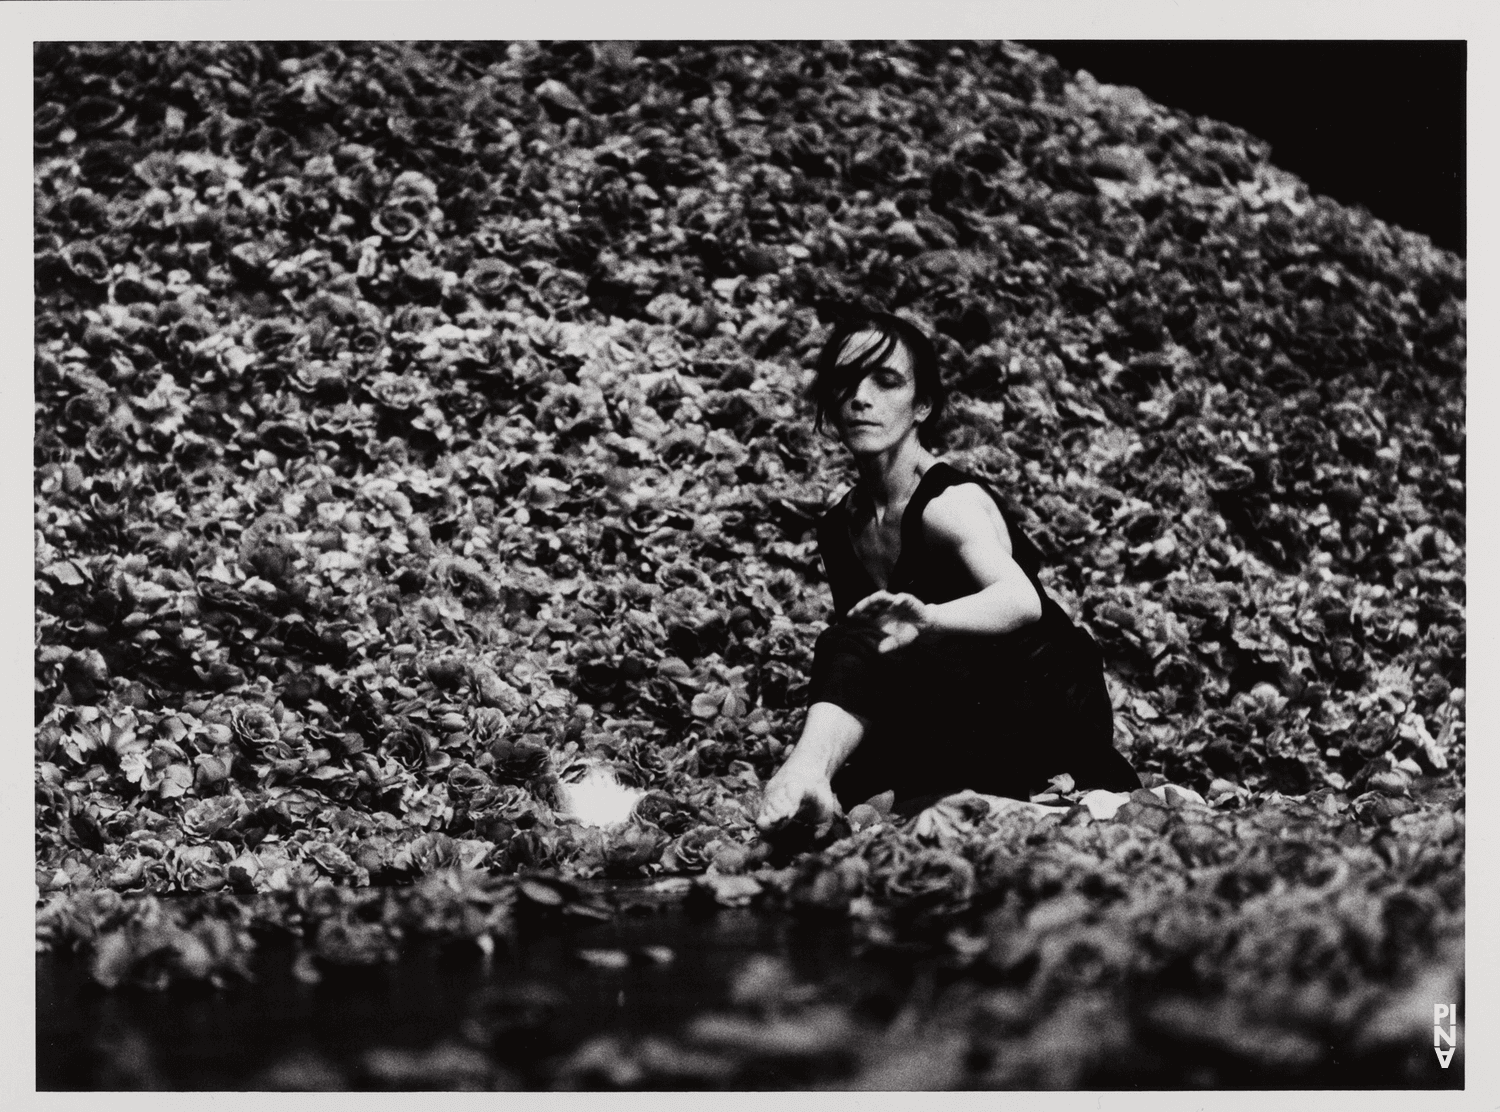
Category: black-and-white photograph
[749,565]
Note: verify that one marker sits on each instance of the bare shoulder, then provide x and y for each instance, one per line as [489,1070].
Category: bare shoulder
[964,514]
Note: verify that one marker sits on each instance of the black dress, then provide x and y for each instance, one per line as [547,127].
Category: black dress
[1000,714]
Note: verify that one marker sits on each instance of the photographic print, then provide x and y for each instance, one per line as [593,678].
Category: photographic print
[748,565]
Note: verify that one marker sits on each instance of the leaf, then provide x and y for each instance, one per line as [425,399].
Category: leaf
[134,766]
[175,781]
[331,859]
[735,704]
[1102,804]
[65,573]
[706,704]
[677,671]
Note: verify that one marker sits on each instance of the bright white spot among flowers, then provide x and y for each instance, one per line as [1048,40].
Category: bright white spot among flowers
[598,799]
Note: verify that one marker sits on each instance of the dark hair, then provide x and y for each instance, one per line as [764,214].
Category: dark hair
[836,380]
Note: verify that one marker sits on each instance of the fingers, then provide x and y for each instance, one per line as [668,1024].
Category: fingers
[883,604]
[811,809]
[780,803]
[818,804]
[897,637]
[775,808]
[910,606]
[878,600]
[806,802]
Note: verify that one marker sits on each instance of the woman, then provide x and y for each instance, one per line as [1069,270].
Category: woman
[947,666]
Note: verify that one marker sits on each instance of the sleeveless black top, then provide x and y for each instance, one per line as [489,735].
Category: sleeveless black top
[936,577]
[999,713]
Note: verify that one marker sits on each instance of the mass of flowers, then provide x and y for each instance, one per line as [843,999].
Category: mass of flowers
[420,426]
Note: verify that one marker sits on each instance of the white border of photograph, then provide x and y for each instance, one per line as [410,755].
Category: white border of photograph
[23,22]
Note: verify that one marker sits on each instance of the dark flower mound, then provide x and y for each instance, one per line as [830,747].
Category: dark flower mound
[418,425]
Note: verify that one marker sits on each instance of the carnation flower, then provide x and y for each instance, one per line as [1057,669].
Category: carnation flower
[86,261]
[94,114]
[402,220]
[317,377]
[273,336]
[691,852]
[285,438]
[399,392]
[489,279]
[254,727]
[929,878]
[366,341]
[272,146]
[207,818]
[198,868]
[107,445]
[47,120]
[346,419]
[413,185]
[465,781]
[672,815]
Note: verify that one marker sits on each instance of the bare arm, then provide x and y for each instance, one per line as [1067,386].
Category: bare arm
[829,735]
[964,521]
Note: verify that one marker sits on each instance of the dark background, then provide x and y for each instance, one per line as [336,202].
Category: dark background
[1372,123]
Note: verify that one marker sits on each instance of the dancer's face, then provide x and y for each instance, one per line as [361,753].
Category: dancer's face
[882,409]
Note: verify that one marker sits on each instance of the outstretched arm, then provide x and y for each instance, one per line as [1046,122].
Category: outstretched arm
[802,785]
[964,521]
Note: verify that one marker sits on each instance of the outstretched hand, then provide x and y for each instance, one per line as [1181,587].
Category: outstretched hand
[901,617]
[796,793]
